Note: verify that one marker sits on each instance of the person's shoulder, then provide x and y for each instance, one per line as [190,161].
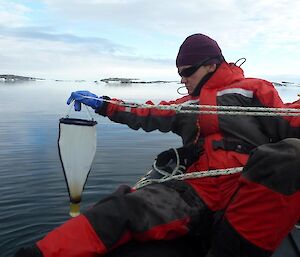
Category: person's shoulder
[188,99]
[258,82]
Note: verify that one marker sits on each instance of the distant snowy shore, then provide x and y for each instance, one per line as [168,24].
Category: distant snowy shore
[16,78]
[116,80]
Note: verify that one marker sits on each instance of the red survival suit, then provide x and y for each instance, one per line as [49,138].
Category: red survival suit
[261,199]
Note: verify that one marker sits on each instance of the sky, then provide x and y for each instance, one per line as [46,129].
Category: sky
[96,39]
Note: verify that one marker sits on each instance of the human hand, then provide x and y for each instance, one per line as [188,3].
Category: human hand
[85,97]
[170,162]
[164,158]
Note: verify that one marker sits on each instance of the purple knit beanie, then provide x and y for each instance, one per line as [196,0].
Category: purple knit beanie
[196,48]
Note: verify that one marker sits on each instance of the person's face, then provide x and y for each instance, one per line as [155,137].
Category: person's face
[191,81]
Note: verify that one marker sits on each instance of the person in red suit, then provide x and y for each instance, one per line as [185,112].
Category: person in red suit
[256,208]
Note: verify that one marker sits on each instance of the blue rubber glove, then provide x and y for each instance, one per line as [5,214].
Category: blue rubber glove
[85,97]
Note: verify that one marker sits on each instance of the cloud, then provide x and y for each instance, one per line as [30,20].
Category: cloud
[231,21]
[133,36]
[12,13]
[64,60]
[38,33]
[42,51]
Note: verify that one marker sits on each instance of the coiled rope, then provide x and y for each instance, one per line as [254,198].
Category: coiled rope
[178,173]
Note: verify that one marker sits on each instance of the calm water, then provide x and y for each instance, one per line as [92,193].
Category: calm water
[33,194]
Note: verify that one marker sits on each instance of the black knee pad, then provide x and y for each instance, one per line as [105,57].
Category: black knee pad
[109,216]
[276,166]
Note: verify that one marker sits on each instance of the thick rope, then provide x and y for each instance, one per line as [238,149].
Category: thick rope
[213,109]
[191,175]
[210,109]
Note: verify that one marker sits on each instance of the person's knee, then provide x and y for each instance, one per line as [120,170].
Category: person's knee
[276,166]
[109,216]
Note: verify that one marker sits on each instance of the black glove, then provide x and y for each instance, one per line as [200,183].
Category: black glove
[187,155]
[165,158]
[171,160]
[32,251]
[165,164]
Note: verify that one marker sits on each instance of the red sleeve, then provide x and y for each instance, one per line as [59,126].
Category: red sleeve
[148,119]
[279,127]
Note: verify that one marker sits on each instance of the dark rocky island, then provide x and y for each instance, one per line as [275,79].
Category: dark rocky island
[14,78]
[132,81]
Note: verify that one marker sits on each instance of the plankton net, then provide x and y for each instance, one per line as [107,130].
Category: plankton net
[77,144]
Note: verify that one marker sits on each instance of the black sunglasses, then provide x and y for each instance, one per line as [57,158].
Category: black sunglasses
[187,72]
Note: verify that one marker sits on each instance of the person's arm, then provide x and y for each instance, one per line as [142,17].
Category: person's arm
[148,119]
[276,127]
